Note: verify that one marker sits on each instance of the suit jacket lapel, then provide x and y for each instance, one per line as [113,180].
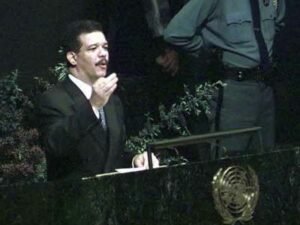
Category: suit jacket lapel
[115,136]
[74,92]
[109,113]
[78,100]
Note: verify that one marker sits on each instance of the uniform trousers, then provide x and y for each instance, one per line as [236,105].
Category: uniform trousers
[244,104]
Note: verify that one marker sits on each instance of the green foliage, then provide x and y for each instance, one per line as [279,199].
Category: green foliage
[60,71]
[21,158]
[56,74]
[173,122]
[11,100]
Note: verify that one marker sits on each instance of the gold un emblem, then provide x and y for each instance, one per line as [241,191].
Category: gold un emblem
[235,193]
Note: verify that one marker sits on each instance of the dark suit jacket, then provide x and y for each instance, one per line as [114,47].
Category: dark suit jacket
[73,137]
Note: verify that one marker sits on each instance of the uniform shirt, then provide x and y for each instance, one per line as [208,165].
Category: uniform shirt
[227,25]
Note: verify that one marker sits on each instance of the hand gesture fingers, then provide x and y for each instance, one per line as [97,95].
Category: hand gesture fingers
[141,160]
[169,61]
[102,90]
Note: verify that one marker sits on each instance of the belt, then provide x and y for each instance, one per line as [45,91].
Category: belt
[240,74]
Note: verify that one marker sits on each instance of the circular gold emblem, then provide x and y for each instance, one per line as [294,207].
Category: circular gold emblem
[235,193]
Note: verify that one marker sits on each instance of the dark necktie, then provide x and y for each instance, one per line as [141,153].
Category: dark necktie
[102,118]
[263,51]
[104,134]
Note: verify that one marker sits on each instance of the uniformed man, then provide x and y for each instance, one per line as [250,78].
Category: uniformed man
[243,31]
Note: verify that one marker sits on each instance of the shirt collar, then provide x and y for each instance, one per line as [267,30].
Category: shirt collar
[85,88]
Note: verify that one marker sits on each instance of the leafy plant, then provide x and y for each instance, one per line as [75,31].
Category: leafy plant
[60,71]
[21,158]
[173,122]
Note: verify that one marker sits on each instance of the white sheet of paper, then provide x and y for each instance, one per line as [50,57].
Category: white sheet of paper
[128,170]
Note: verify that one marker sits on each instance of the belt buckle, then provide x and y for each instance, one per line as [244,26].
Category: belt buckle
[240,75]
[259,75]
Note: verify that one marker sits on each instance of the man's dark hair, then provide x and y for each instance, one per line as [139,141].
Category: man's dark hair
[70,41]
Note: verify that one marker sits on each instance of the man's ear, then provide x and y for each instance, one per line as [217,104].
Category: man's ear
[72,58]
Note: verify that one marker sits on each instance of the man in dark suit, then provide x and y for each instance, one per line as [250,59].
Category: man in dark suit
[81,120]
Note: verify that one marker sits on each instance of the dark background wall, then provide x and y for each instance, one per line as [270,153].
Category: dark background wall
[30,31]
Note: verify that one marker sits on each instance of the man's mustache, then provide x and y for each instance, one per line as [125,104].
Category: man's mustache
[102,62]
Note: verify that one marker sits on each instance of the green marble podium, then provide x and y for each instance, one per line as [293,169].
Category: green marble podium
[176,195]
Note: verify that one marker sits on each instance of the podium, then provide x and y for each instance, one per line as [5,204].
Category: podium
[177,195]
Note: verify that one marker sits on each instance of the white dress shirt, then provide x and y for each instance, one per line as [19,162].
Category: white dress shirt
[86,90]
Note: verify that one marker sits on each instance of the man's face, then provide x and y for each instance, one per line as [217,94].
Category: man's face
[92,58]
